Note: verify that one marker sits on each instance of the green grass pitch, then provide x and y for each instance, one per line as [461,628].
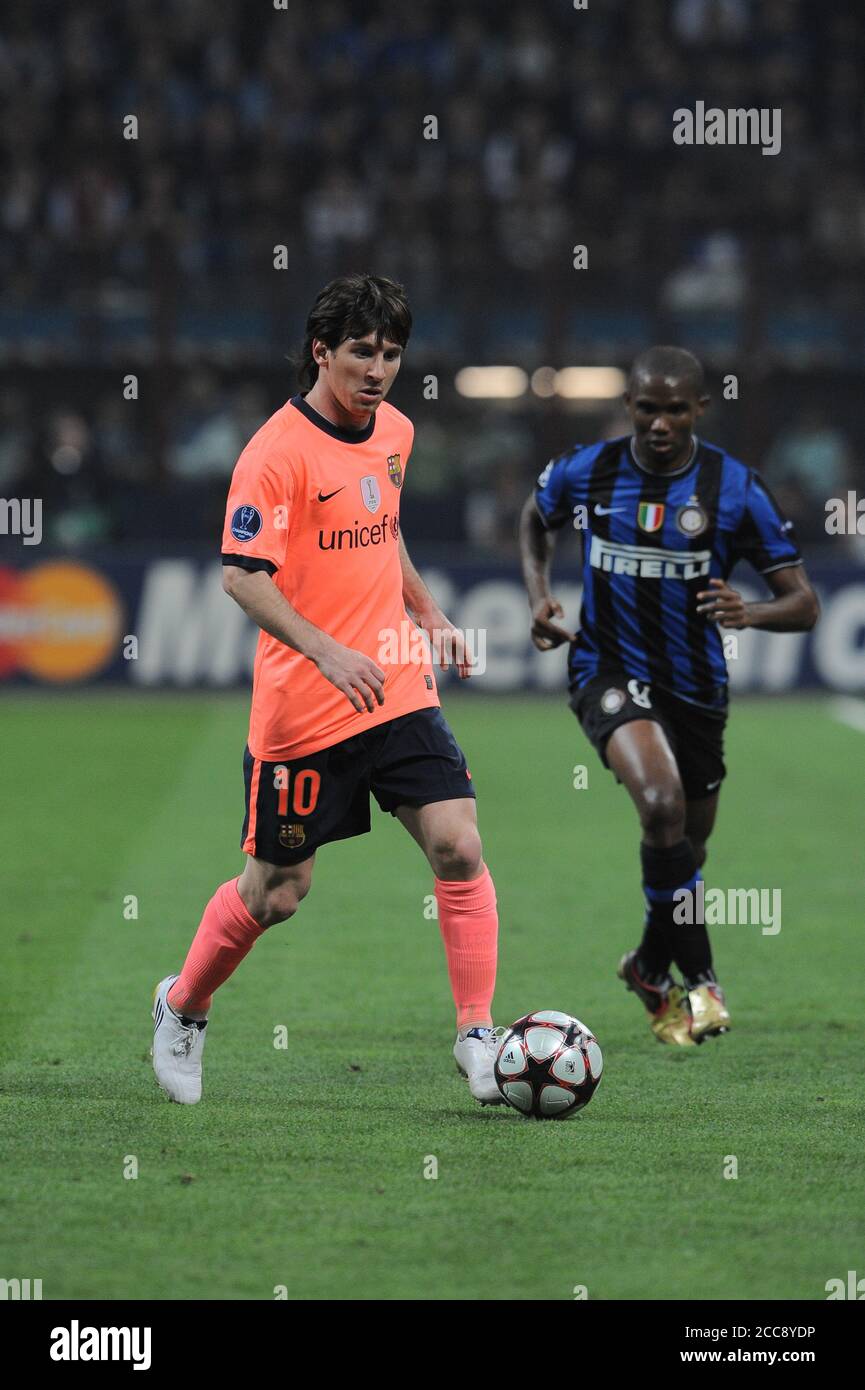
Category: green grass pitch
[304,1166]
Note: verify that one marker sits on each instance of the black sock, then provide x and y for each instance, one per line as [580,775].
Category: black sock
[692,951]
[703,977]
[666,871]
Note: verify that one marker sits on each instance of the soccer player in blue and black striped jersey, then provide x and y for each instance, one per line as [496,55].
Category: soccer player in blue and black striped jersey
[664,517]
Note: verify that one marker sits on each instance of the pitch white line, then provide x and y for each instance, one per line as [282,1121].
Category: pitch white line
[850,712]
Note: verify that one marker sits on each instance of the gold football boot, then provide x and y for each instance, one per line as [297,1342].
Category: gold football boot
[669,1014]
[672,1022]
[709,1012]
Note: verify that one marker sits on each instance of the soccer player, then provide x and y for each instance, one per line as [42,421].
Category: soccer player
[344,701]
[664,516]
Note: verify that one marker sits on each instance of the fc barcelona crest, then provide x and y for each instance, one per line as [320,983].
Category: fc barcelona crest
[394,470]
[650,516]
[291,836]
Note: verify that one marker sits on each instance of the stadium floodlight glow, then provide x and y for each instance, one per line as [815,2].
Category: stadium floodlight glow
[544,381]
[492,383]
[590,383]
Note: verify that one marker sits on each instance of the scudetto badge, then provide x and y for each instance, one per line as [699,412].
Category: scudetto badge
[650,516]
[291,836]
[394,470]
[691,519]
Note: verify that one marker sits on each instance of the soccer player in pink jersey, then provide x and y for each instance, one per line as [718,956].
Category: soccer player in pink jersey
[312,552]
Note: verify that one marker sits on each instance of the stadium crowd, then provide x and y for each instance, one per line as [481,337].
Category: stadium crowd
[464,150]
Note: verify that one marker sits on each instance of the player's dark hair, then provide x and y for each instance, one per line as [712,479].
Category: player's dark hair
[351,307]
[673,362]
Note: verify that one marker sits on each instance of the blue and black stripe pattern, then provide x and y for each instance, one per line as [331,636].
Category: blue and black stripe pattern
[651,542]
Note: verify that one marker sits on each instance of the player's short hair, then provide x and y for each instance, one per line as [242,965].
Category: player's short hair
[669,362]
[351,307]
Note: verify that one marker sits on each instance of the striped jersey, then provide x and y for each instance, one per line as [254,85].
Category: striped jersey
[651,542]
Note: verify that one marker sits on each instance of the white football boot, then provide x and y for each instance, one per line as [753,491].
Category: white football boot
[178,1043]
[474,1053]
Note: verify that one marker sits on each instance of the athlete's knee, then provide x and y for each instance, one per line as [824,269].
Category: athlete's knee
[277,899]
[662,808]
[284,900]
[457,854]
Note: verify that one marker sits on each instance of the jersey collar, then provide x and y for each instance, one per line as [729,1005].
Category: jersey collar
[677,472]
[335,431]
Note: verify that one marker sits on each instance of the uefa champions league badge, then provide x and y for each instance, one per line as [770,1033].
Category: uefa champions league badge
[691,519]
[246,523]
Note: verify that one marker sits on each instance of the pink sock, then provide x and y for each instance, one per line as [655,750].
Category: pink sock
[225,935]
[469,925]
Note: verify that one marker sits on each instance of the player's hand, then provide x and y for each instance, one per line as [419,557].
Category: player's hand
[545,633]
[355,674]
[448,644]
[723,605]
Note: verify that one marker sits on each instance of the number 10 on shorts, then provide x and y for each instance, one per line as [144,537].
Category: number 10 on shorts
[303,787]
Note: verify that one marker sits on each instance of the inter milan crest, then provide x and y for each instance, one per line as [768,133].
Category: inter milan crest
[691,519]
[394,470]
[650,516]
[291,836]
[370,492]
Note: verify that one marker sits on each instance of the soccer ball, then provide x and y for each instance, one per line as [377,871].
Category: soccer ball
[548,1065]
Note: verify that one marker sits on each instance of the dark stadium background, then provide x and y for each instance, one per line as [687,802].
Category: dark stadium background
[303,127]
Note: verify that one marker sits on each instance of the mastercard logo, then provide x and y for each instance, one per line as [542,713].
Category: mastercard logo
[58,621]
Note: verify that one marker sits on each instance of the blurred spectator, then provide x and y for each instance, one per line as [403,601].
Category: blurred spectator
[16,440]
[72,484]
[207,437]
[711,21]
[808,463]
[116,437]
[496,458]
[712,280]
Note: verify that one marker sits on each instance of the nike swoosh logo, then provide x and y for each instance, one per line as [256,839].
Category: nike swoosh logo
[326,496]
[605,511]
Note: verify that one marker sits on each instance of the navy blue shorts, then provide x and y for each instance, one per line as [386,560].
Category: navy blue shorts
[695,734]
[293,808]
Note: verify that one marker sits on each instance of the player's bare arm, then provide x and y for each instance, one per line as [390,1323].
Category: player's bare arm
[793,609]
[536,551]
[354,673]
[448,642]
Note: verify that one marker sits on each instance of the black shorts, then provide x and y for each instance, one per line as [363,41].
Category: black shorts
[295,807]
[695,734]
